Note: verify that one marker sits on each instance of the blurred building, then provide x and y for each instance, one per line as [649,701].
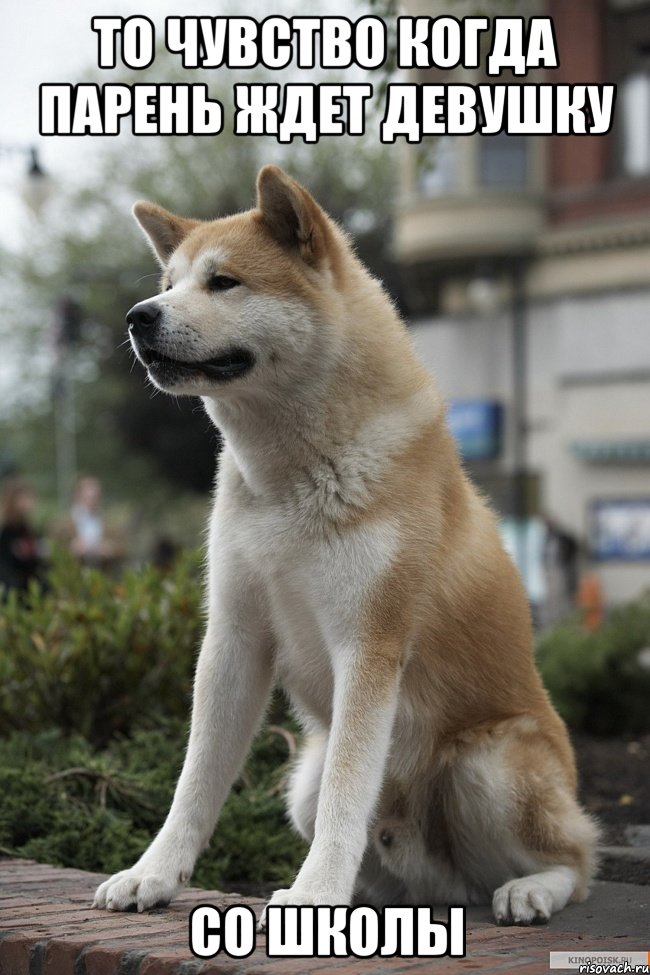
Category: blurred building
[526,266]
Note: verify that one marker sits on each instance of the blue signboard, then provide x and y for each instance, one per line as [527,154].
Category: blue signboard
[620,529]
[477,426]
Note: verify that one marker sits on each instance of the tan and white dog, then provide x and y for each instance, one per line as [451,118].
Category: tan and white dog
[352,561]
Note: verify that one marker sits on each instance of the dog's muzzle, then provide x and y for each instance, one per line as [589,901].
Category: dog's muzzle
[144,318]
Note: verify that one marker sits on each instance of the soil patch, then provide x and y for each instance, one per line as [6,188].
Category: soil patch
[614,775]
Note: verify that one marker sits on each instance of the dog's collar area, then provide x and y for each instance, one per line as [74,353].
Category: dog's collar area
[234,362]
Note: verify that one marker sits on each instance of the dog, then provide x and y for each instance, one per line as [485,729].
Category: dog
[351,560]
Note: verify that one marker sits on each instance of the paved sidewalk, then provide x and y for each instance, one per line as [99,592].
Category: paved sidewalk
[48,928]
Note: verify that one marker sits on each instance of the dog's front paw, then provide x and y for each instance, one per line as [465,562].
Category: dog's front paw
[297,896]
[522,901]
[140,888]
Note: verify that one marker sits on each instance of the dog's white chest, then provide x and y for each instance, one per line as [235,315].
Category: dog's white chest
[316,587]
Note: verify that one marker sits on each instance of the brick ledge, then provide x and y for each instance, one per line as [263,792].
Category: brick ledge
[47,927]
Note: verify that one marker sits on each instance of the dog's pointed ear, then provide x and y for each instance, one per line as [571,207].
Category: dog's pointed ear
[163,230]
[291,215]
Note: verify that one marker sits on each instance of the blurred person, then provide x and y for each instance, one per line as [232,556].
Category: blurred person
[91,542]
[589,600]
[561,552]
[21,548]
[164,554]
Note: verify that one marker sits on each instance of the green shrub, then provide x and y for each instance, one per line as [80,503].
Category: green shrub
[596,679]
[96,656]
[66,803]
[95,688]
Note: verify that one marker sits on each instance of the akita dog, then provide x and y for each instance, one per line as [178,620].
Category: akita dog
[353,561]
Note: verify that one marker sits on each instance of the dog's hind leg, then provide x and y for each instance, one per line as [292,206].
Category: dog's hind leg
[501,823]
[561,839]
[550,827]
[304,785]
[532,899]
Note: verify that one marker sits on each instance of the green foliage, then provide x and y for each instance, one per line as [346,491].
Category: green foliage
[596,679]
[66,803]
[94,656]
[95,682]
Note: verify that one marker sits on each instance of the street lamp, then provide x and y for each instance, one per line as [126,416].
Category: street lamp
[67,333]
[67,328]
[35,170]
[520,414]
[484,297]
[36,187]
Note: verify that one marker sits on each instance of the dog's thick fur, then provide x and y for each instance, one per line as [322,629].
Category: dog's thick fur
[351,559]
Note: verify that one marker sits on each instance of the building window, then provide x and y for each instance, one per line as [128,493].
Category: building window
[635,124]
[437,166]
[628,55]
[503,161]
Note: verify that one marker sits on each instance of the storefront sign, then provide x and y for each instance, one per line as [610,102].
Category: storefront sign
[476,425]
[620,529]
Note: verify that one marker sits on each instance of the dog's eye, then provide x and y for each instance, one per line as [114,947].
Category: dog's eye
[220,282]
[169,287]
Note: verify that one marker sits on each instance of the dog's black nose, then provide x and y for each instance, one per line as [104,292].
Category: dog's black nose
[143,316]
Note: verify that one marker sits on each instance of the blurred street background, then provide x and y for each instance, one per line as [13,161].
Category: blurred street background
[522,268]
